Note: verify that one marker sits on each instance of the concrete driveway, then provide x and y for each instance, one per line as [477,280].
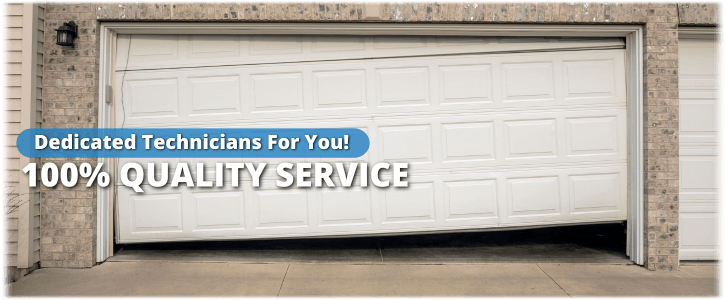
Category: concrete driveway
[375,279]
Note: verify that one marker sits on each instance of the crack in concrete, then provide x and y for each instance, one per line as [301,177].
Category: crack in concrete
[283,280]
[548,275]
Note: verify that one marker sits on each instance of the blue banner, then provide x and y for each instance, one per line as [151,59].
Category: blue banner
[193,143]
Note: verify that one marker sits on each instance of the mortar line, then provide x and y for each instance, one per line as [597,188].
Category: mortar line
[548,275]
[283,280]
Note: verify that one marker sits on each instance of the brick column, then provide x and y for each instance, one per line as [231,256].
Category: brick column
[661,136]
[70,100]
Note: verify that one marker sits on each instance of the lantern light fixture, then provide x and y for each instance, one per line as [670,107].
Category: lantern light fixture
[67,33]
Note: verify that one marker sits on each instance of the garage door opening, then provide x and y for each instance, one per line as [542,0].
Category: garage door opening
[597,243]
[498,132]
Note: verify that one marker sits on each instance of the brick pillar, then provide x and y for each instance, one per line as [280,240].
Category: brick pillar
[661,136]
[70,100]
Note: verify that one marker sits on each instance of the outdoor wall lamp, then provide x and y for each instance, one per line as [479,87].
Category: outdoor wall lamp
[67,33]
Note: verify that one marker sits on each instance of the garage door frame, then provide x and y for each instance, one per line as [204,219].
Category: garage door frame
[634,81]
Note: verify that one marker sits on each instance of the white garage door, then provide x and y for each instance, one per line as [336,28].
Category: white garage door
[698,86]
[498,132]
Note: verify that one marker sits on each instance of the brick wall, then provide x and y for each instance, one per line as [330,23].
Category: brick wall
[661,135]
[68,215]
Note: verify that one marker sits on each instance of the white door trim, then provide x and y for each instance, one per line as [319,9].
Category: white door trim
[697,32]
[634,75]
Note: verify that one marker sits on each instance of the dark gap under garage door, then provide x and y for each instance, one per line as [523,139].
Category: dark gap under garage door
[602,243]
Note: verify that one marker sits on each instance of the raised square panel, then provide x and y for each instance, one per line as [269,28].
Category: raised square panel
[594,193]
[391,42]
[530,139]
[339,89]
[698,116]
[470,199]
[158,213]
[698,230]
[153,98]
[403,86]
[528,82]
[153,47]
[337,43]
[282,209]
[466,84]
[533,196]
[592,136]
[215,95]
[698,56]
[275,92]
[468,141]
[697,172]
[589,79]
[412,204]
[213,45]
[406,143]
[345,206]
[275,44]
[220,210]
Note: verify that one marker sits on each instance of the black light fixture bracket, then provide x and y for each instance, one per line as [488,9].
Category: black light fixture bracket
[66,34]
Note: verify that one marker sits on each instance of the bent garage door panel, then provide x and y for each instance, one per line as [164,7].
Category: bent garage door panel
[493,140]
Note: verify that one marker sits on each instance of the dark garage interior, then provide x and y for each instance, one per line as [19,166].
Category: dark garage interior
[597,243]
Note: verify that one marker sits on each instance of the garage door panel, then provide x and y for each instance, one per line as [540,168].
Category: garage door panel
[212,47]
[470,199]
[458,200]
[494,140]
[698,177]
[343,89]
[468,141]
[157,213]
[698,244]
[411,143]
[337,43]
[528,81]
[698,149]
[563,195]
[373,88]
[589,79]
[533,196]
[214,95]
[502,141]
[593,136]
[699,116]
[152,98]
[276,92]
[280,209]
[414,203]
[218,210]
[344,206]
[266,45]
[402,86]
[594,193]
[530,139]
[465,84]
[171,51]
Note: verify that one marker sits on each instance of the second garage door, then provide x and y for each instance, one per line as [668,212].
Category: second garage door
[498,132]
